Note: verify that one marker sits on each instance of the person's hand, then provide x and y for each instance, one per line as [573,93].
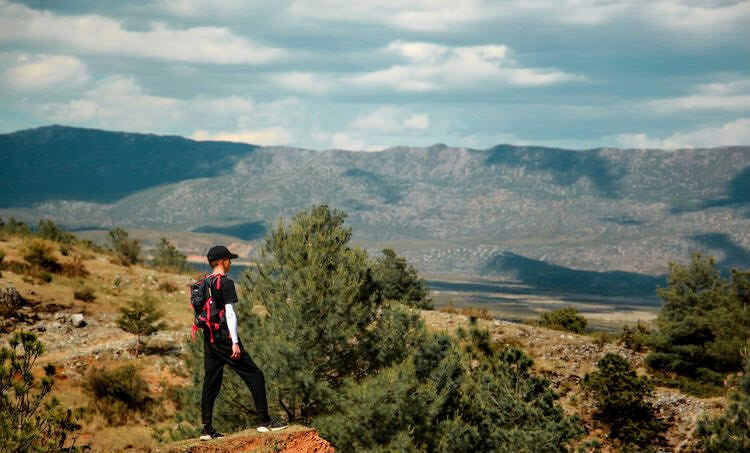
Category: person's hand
[235,351]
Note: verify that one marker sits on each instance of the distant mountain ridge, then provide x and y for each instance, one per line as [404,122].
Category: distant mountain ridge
[449,210]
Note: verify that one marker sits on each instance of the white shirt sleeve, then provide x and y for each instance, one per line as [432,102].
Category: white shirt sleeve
[231,322]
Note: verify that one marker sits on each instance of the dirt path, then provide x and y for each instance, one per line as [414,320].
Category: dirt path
[295,439]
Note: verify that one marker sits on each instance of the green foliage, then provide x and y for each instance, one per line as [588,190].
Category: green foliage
[703,324]
[397,280]
[568,319]
[325,317]
[730,431]
[29,421]
[47,229]
[140,317]
[118,394]
[636,337]
[125,249]
[38,253]
[14,227]
[166,256]
[620,400]
[84,293]
[451,395]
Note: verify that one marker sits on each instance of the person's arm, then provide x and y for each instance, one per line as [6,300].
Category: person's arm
[232,322]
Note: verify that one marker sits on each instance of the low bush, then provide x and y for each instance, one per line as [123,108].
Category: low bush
[621,404]
[635,338]
[471,312]
[84,294]
[2,258]
[167,257]
[118,394]
[568,319]
[74,268]
[398,280]
[39,253]
[167,286]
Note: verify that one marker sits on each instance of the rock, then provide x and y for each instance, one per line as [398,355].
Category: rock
[10,301]
[77,320]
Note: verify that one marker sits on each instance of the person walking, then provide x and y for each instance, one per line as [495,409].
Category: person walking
[224,347]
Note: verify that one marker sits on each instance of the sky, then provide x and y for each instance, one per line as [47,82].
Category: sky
[368,75]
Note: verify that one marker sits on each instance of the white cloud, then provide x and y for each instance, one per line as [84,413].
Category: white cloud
[732,95]
[272,136]
[434,67]
[690,15]
[341,140]
[303,82]
[38,72]
[418,121]
[733,133]
[93,34]
[390,120]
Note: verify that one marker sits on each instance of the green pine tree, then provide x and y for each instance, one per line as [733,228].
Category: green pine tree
[30,421]
[141,318]
[166,256]
[704,322]
[399,281]
[730,431]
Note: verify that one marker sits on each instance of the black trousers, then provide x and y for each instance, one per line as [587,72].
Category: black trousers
[215,356]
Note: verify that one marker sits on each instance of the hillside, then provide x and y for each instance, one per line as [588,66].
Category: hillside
[76,344]
[505,212]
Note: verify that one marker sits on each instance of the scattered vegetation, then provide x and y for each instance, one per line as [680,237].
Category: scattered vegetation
[621,404]
[398,281]
[730,431]
[75,268]
[30,421]
[568,319]
[167,257]
[85,294]
[140,317]
[471,312]
[47,229]
[118,394]
[703,325]
[127,251]
[167,286]
[2,258]
[14,227]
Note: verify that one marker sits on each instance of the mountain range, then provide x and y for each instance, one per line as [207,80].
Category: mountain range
[503,212]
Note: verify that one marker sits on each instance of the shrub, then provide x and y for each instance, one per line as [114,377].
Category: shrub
[38,253]
[141,318]
[620,401]
[2,258]
[47,229]
[85,294]
[397,280]
[471,312]
[703,324]
[729,432]
[636,337]
[166,256]
[568,319]
[14,227]
[126,250]
[29,420]
[451,395]
[167,286]
[118,394]
[75,268]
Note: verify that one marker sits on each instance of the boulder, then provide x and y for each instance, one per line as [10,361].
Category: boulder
[77,320]
[10,301]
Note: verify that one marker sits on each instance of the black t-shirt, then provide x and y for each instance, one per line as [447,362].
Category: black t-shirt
[227,291]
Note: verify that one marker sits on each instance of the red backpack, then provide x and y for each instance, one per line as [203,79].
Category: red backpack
[209,313]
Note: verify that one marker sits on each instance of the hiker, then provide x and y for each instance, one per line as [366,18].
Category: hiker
[222,345]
